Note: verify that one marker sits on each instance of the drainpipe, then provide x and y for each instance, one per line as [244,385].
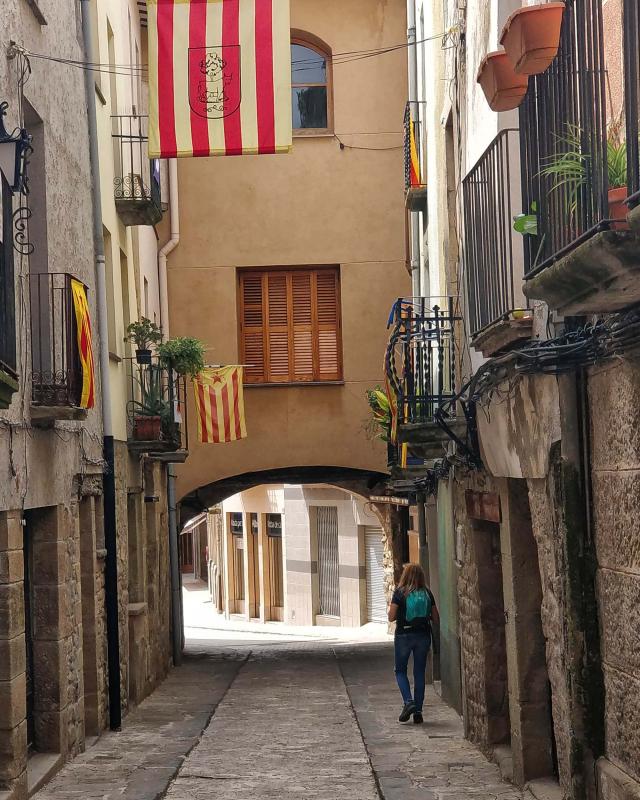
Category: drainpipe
[415,118]
[109,485]
[176,595]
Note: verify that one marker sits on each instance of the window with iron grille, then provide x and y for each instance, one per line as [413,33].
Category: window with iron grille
[290,326]
[7,286]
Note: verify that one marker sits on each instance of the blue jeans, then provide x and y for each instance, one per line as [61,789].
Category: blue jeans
[405,644]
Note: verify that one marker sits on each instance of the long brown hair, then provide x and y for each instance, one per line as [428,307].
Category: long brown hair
[412,578]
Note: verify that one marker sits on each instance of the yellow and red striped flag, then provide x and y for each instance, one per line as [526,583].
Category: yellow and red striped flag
[220,405]
[414,163]
[219,77]
[85,345]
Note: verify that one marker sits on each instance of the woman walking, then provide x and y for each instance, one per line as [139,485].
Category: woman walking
[412,609]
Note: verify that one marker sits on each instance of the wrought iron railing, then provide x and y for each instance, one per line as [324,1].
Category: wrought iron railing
[408,125]
[136,180]
[493,251]
[564,113]
[56,372]
[420,361]
[631,34]
[7,285]
[157,408]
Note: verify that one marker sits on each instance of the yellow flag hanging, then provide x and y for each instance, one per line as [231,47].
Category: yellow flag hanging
[85,344]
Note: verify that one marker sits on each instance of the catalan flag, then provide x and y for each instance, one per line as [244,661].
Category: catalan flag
[220,405]
[85,344]
[219,77]
[414,161]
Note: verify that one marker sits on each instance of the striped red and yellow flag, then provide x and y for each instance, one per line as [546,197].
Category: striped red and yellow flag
[219,77]
[85,344]
[220,405]
[414,164]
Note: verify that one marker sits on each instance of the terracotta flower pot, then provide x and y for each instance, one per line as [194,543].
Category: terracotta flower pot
[502,86]
[531,37]
[146,429]
[618,208]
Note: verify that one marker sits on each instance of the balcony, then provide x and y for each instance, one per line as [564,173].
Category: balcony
[137,179]
[493,250]
[420,364]
[157,412]
[415,189]
[56,372]
[583,259]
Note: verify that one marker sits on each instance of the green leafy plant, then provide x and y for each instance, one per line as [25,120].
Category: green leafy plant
[143,333]
[184,354]
[379,426]
[570,167]
[527,224]
[152,401]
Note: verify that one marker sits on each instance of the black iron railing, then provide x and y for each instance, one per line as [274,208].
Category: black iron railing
[420,357]
[564,116]
[56,372]
[493,250]
[631,34]
[7,285]
[408,125]
[137,179]
[157,408]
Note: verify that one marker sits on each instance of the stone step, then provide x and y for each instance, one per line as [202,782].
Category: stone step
[543,789]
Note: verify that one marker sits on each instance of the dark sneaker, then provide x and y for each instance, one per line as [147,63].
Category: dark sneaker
[407,711]
[417,718]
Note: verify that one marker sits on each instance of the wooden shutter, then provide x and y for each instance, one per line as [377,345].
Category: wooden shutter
[252,328]
[302,314]
[328,336]
[290,326]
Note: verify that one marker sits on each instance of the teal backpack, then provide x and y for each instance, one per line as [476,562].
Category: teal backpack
[418,608]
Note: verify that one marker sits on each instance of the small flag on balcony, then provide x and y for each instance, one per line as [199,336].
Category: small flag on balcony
[219,77]
[220,405]
[85,344]
[414,165]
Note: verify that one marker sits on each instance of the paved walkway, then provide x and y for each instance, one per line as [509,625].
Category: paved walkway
[292,719]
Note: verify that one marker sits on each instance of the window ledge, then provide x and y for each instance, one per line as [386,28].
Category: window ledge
[313,135]
[292,384]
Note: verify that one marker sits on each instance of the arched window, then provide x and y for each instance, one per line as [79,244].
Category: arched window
[310,87]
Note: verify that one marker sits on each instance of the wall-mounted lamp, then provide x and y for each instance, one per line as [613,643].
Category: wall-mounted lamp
[14,149]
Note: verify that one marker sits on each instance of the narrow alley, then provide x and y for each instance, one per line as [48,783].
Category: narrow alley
[280,715]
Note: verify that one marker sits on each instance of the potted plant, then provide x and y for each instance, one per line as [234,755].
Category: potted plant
[501,84]
[184,354]
[143,334]
[152,407]
[379,425]
[570,169]
[531,37]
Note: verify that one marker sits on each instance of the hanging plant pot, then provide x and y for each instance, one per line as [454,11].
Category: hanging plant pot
[502,86]
[618,208]
[143,356]
[146,428]
[531,37]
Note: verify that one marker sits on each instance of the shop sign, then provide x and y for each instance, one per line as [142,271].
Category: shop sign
[483,505]
[237,528]
[274,525]
[254,524]
[395,501]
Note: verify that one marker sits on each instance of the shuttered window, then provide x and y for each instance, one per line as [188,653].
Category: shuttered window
[290,326]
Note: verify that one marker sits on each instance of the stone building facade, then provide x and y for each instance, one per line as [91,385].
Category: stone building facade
[53,639]
[531,485]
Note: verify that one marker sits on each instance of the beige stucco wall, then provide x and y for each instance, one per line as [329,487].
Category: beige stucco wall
[318,205]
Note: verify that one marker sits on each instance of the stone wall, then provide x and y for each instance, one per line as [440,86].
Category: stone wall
[614,394]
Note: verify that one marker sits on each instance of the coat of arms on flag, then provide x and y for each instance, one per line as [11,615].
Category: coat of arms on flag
[220,405]
[219,77]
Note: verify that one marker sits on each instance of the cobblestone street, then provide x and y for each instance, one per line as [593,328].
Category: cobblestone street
[281,716]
